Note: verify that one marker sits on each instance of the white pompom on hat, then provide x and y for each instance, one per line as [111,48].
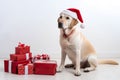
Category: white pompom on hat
[75,13]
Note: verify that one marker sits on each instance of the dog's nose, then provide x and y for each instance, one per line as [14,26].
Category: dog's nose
[60,25]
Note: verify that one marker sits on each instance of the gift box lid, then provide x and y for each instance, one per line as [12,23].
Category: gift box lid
[46,61]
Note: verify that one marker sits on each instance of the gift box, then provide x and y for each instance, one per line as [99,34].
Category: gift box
[22,49]
[25,69]
[16,57]
[45,67]
[8,66]
[12,66]
[15,65]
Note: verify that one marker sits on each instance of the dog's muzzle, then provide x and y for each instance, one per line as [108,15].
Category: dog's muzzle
[60,25]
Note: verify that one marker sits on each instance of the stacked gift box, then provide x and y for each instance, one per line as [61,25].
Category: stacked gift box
[22,62]
[21,56]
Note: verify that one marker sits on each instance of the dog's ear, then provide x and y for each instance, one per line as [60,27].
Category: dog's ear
[73,23]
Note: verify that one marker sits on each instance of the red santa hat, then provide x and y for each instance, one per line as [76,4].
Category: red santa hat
[75,13]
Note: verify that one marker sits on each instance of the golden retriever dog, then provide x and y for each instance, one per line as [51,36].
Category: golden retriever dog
[74,44]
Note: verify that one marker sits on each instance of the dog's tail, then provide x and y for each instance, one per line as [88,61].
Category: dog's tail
[107,61]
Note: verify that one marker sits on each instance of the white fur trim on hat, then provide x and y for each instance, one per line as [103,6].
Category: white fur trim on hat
[82,26]
[70,13]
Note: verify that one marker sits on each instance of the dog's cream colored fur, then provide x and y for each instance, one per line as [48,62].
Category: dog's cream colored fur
[74,44]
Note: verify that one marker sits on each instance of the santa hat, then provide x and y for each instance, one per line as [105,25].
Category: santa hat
[75,13]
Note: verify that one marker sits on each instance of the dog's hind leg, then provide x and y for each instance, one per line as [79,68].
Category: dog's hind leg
[92,60]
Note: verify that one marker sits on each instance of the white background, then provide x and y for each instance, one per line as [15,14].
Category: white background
[34,22]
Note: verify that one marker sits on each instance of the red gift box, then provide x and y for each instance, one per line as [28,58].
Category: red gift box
[15,65]
[22,49]
[19,50]
[25,69]
[8,66]
[45,67]
[12,66]
[16,57]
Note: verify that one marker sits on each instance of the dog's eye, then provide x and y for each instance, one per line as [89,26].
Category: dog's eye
[67,18]
[60,16]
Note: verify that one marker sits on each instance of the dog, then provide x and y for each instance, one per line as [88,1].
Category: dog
[75,45]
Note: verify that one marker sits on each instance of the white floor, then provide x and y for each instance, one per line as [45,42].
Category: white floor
[103,72]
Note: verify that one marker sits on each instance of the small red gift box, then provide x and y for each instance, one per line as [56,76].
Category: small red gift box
[45,67]
[22,49]
[8,66]
[16,57]
[11,66]
[15,65]
[25,69]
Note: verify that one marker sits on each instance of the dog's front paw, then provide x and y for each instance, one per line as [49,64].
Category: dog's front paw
[77,73]
[60,69]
